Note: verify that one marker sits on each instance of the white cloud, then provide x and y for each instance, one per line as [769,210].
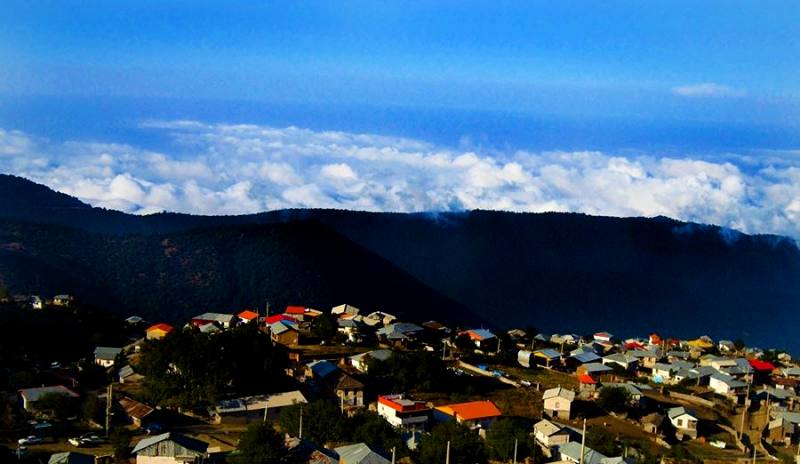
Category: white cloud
[708,89]
[234,169]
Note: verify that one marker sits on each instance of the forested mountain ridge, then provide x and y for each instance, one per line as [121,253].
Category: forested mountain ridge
[558,271]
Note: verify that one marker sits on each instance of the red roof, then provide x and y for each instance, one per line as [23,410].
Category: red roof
[760,365]
[586,379]
[248,315]
[634,346]
[295,310]
[162,326]
[471,411]
[280,317]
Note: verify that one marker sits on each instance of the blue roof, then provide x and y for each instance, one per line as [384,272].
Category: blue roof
[484,334]
[585,357]
[322,368]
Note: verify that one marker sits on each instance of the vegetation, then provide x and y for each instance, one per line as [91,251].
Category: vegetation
[502,436]
[120,440]
[322,421]
[412,371]
[613,399]
[465,445]
[602,441]
[259,444]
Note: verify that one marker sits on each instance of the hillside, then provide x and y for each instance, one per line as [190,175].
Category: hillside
[560,272]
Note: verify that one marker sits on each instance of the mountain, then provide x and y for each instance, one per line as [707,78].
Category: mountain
[557,271]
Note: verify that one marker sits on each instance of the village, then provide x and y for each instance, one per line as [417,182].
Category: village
[355,386]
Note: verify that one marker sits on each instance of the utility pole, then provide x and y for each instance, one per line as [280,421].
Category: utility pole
[746,399]
[583,441]
[266,408]
[754,453]
[393,450]
[109,396]
[515,450]
[300,435]
[447,456]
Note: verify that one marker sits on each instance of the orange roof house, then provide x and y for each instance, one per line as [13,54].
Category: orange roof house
[158,331]
[473,413]
[295,310]
[248,316]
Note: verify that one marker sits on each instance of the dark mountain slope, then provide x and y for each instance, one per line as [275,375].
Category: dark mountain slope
[561,272]
[175,276]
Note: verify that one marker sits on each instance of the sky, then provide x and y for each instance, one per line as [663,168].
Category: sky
[685,109]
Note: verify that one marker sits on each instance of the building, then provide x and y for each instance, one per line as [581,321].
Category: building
[301,451]
[252,408]
[350,391]
[550,435]
[604,338]
[482,338]
[653,423]
[345,309]
[158,331]
[546,357]
[225,321]
[475,414]
[627,362]
[285,333]
[63,300]
[30,396]
[402,412]
[726,385]
[558,402]
[360,453]
[684,421]
[360,362]
[247,316]
[170,448]
[571,452]
[139,413]
[106,356]
[70,457]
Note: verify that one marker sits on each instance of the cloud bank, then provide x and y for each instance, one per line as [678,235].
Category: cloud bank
[708,89]
[235,169]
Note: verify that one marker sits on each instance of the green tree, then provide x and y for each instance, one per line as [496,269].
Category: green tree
[120,440]
[369,427]
[739,344]
[324,327]
[322,421]
[465,445]
[91,409]
[501,436]
[613,399]
[259,444]
[602,441]
[4,294]
[56,405]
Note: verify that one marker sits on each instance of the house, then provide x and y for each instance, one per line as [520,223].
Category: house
[726,346]
[550,435]
[623,360]
[684,420]
[170,448]
[580,357]
[105,356]
[285,333]
[475,414]
[139,413]
[781,431]
[402,412]
[546,357]
[593,369]
[702,343]
[126,374]
[571,452]
[252,408]
[360,362]
[63,300]
[653,423]
[350,391]
[654,340]
[437,328]
[558,402]
[134,320]
[647,358]
[302,451]
[604,338]
[726,385]
[345,309]
[761,370]
[247,316]
[36,302]
[70,457]
[350,328]
[400,332]
[483,338]
[225,321]
[587,385]
[376,318]
[360,453]
[158,331]
[320,370]
[32,395]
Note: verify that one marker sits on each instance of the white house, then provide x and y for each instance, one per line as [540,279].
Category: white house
[684,420]
[170,448]
[725,385]
[105,355]
[402,412]
[549,434]
[558,402]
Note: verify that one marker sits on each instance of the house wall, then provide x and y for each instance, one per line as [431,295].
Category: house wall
[287,338]
[558,407]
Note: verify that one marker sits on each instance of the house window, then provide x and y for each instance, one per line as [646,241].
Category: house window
[680,422]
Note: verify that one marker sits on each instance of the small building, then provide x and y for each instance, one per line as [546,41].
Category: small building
[571,453]
[603,338]
[36,302]
[402,412]
[134,320]
[627,362]
[550,435]
[63,300]
[247,316]
[684,420]
[158,331]
[106,356]
[558,402]
[781,432]
[360,362]
[320,370]
[126,374]
[30,396]
[70,457]
[285,333]
[350,391]
[360,453]
[653,423]
[726,385]
[170,448]
[345,309]
[301,451]
[546,357]
[252,408]
[225,321]
[139,413]
[475,414]
[483,338]
[594,369]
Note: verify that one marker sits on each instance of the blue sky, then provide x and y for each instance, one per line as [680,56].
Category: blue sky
[713,82]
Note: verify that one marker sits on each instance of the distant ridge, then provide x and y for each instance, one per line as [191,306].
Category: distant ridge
[557,271]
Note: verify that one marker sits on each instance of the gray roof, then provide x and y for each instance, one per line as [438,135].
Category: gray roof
[593,368]
[548,353]
[34,394]
[632,389]
[216,317]
[679,411]
[585,357]
[106,353]
[573,451]
[562,392]
[280,327]
[728,380]
[547,428]
[380,355]
[71,457]
[189,443]
[359,453]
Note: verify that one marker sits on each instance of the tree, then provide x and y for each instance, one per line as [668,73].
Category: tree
[322,421]
[465,445]
[259,444]
[324,327]
[739,344]
[602,441]
[4,294]
[369,427]
[56,405]
[120,440]
[501,436]
[91,409]
[464,343]
[613,399]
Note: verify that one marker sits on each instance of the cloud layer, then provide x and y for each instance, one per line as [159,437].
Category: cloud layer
[708,89]
[233,169]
